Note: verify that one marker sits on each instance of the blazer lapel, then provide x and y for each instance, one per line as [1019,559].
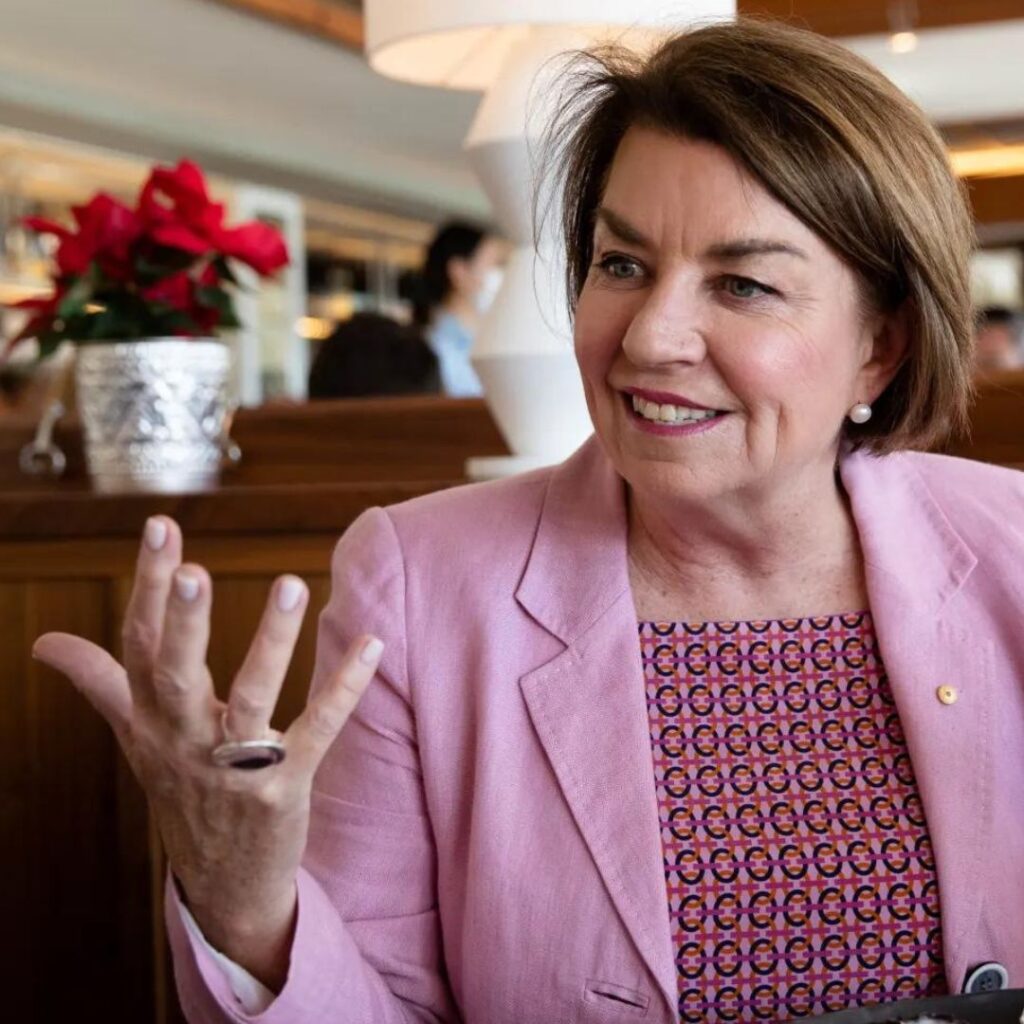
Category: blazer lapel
[916,566]
[588,705]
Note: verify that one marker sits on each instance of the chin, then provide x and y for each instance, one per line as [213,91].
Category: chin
[671,481]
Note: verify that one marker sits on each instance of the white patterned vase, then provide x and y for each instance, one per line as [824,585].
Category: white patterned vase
[154,413]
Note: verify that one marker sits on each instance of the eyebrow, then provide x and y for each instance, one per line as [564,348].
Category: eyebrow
[731,251]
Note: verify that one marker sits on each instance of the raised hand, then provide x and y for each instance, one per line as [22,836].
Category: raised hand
[234,837]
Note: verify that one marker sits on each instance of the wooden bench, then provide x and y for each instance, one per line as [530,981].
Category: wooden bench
[416,438]
[997,422]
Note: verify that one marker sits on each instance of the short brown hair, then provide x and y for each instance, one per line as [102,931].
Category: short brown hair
[836,143]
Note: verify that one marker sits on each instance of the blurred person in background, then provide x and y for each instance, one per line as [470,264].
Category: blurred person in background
[370,354]
[998,340]
[460,279]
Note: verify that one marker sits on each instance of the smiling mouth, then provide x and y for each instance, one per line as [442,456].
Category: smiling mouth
[668,415]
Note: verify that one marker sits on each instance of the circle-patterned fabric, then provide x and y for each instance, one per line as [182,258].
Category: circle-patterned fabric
[798,866]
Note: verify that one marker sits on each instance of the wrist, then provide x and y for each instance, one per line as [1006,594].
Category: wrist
[258,938]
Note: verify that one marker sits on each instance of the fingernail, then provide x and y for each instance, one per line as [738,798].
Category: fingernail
[289,593]
[155,534]
[371,652]
[186,586]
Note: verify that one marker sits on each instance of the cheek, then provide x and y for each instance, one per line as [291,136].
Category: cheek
[787,372]
[597,334]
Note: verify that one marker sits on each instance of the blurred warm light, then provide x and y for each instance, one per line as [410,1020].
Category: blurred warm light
[15,291]
[990,162]
[903,42]
[315,328]
[334,306]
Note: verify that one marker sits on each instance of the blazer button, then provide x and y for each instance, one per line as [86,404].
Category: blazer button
[947,694]
[990,977]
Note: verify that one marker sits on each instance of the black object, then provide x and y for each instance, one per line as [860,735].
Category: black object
[372,355]
[1003,1007]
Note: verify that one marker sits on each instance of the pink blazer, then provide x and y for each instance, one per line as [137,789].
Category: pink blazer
[485,843]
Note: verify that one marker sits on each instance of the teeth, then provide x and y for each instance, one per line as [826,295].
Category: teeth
[670,413]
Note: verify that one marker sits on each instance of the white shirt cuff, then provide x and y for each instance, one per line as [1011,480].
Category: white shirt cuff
[253,996]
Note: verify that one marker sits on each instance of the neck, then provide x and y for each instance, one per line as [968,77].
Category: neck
[788,551]
[463,310]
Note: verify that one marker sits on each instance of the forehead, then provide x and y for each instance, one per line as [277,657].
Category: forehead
[669,185]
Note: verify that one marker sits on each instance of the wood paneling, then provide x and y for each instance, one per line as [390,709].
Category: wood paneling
[296,509]
[238,603]
[849,18]
[324,18]
[997,200]
[18,805]
[77,883]
[997,422]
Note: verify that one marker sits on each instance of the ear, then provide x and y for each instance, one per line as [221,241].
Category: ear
[886,344]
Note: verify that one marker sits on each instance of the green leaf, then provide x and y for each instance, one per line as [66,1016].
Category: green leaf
[104,325]
[229,320]
[78,295]
[173,321]
[49,343]
[223,267]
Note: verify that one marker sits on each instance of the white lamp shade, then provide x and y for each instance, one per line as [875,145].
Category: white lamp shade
[462,44]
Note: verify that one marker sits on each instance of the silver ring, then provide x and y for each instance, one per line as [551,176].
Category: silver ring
[248,754]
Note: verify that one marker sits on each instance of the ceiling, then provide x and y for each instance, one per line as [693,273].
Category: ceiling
[254,99]
[167,77]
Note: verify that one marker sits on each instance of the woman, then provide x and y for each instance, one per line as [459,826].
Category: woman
[460,279]
[722,719]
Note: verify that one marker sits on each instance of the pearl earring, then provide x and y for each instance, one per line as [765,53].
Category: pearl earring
[860,413]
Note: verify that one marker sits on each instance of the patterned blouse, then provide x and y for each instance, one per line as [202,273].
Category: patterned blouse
[798,865]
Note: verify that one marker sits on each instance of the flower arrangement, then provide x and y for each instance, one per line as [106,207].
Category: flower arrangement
[161,268]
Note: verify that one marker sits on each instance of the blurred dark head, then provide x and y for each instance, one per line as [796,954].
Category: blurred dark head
[995,315]
[454,241]
[370,354]
[997,339]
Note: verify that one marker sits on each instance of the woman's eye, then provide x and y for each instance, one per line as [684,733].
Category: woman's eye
[746,288]
[620,268]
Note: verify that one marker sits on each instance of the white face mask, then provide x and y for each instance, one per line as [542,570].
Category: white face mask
[488,291]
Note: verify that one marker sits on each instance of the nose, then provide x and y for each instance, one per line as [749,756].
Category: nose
[667,329]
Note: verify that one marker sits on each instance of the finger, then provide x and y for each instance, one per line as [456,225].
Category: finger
[159,556]
[94,673]
[313,732]
[256,688]
[181,681]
